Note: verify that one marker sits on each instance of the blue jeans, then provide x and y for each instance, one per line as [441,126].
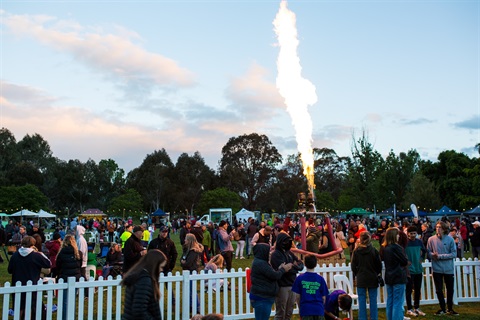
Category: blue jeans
[362,303]
[395,300]
[262,308]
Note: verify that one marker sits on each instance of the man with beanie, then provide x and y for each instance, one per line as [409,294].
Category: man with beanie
[285,299]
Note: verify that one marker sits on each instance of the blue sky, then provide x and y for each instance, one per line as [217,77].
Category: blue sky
[110,79]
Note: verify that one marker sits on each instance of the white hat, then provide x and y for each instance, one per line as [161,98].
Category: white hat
[476,223]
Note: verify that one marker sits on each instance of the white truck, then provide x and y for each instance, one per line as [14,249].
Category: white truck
[216,215]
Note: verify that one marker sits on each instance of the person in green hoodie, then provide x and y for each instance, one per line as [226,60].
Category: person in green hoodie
[415,251]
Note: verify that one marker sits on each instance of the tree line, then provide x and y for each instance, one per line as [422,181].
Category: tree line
[251,174]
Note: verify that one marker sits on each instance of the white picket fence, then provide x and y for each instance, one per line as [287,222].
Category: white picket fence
[104,299]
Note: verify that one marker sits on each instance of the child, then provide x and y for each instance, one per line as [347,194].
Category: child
[215,264]
[311,290]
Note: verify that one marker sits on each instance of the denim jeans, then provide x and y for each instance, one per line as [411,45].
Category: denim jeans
[395,300]
[262,308]
[362,303]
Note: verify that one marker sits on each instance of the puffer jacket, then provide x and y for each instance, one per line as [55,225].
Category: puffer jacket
[264,277]
[68,265]
[280,255]
[395,261]
[139,298]
[366,265]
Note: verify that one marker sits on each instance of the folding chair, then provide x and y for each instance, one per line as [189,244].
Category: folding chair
[102,255]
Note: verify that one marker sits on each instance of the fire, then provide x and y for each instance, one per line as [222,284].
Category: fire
[298,92]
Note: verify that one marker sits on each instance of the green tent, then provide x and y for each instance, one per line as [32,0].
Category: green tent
[358,211]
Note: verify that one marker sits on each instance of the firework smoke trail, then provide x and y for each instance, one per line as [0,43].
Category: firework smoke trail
[298,92]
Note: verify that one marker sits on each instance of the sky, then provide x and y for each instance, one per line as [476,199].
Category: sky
[121,79]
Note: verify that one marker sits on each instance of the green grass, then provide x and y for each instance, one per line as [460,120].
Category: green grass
[468,311]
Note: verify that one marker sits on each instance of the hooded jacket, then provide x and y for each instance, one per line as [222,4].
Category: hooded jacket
[82,244]
[25,265]
[168,248]
[264,277]
[395,264]
[68,265]
[282,254]
[366,265]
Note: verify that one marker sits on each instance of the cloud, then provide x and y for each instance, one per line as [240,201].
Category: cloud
[415,122]
[472,123]
[253,96]
[114,54]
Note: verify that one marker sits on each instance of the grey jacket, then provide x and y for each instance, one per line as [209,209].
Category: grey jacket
[447,251]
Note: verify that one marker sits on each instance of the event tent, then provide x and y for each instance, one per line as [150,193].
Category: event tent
[358,211]
[410,214]
[24,213]
[387,212]
[474,211]
[244,214]
[44,214]
[159,213]
[445,211]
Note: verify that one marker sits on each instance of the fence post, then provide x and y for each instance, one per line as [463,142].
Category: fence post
[186,299]
[70,298]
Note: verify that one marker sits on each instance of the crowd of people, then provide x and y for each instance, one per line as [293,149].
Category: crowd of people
[140,258]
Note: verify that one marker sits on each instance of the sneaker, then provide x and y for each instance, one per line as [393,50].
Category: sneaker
[406,318]
[440,313]
[452,313]
[420,312]
[242,257]
[411,313]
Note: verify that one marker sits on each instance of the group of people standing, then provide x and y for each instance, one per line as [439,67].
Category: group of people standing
[402,253]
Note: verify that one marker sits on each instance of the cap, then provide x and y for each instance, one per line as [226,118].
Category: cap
[163,228]
[476,223]
[278,227]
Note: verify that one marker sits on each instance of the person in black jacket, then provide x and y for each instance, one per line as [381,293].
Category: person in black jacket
[167,246]
[285,299]
[69,263]
[25,265]
[264,281]
[395,261]
[133,250]
[142,294]
[366,266]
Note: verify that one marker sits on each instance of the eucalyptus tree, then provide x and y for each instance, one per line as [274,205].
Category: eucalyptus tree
[330,171]
[363,172]
[9,154]
[192,177]
[248,166]
[153,180]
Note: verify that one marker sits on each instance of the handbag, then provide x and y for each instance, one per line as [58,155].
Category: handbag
[343,243]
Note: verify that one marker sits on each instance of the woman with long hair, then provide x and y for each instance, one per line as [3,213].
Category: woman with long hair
[69,262]
[192,254]
[192,260]
[395,261]
[142,293]
[366,266]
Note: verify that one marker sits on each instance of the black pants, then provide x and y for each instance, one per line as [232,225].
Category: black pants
[438,279]
[228,256]
[414,284]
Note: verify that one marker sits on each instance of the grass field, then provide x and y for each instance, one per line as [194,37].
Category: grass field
[468,311]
